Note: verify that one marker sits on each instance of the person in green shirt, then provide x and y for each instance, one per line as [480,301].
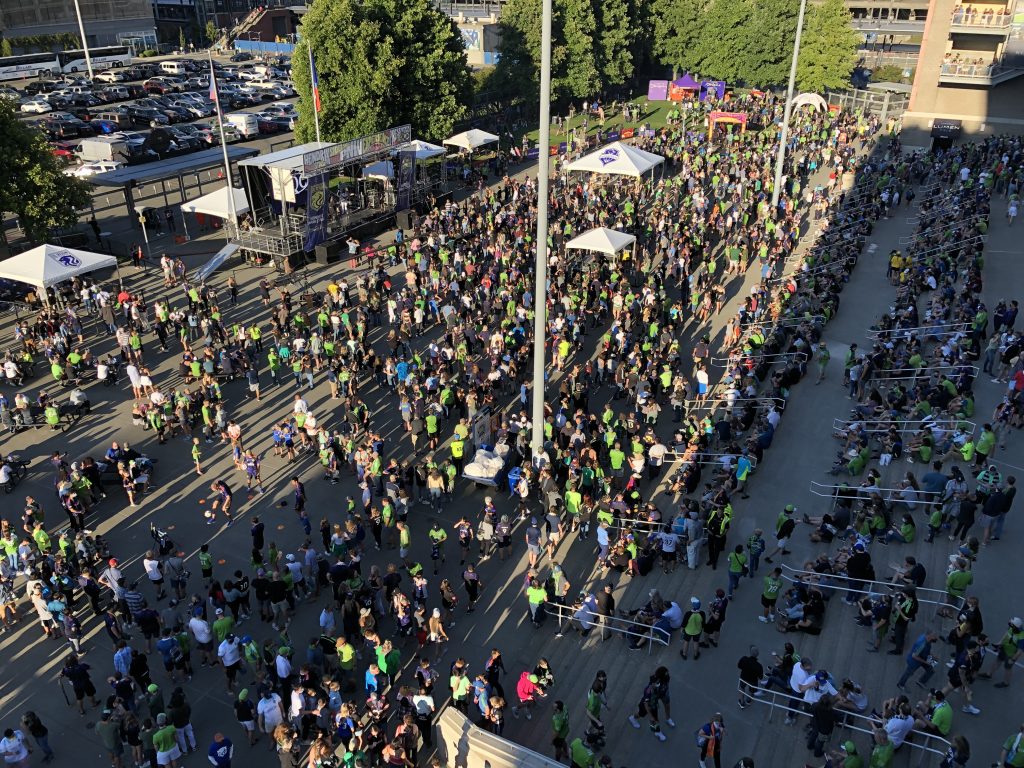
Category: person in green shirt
[770,593]
[957,583]
[109,732]
[1012,755]
[937,718]
[165,743]
[581,755]
[222,625]
[882,751]
[847,756]
[536,596]
[737,566]
[560,727]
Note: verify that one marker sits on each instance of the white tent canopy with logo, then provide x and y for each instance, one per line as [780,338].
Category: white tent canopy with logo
[382,169]
[471,139]
[619,159]
[48,265]
[424,149]
[216,203]
[602,240]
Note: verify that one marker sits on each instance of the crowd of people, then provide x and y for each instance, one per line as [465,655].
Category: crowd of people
[441,336]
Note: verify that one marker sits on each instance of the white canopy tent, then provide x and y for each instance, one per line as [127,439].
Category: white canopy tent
[382,169]
[424,149]
[602,240]
[216,203]
[471,139]
[619,159]
[48,265]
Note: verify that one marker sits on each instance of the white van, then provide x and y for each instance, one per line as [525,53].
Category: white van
[245,122]
[173,68]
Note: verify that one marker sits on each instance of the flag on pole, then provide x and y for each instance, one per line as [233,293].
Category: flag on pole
[213,87]
[315,80]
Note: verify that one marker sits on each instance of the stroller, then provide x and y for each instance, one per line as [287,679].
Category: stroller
[163,542]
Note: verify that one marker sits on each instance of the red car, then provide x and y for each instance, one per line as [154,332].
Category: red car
[65,150]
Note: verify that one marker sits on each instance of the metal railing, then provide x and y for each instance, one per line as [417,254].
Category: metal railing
[903,426]
[963,18]
[728,362]
[862,493]
[924,595]
[926,744]
[917,256]
[950,329]
[610,624]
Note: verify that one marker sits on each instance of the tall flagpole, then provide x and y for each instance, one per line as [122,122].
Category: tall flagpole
[313,88]
[224,148]
[540,319]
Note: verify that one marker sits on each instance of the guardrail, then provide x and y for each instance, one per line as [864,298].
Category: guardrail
[953,328]
[784,321]
[819,489]
[918,256]
[904,426]
[610,624]
[736,359]
[936,597]
[925,743]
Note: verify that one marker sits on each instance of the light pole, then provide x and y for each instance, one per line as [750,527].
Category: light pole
[540,290]
[784,133]
[85,43]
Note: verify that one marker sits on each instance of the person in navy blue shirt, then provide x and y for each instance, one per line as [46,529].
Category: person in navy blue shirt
[221,751]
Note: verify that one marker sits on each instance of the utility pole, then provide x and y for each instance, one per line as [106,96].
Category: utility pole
[85,43]
[787,113]
[540,290]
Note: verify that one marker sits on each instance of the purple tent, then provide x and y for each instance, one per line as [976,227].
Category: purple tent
[686,82]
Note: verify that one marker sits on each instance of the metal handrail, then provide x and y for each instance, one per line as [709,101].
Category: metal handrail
[917,255]
[873,587]
[783,321]
[882,373]
[876,333]
[723,403]
[854,720]
[951,424]
[862,492]
[563,611]
[735,359]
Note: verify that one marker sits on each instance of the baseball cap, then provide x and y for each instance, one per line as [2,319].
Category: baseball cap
[291,558]
[1017,622]
[848,747]
[153,688]
[790,508]
[534,678]
[243,694]
[246,639]
[220,611]
[112,561]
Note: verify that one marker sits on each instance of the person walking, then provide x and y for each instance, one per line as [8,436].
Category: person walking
[560,727]
[784,527]
[751,673]
[709,739]
[221,751]
[693,627]
[40,734]
[654,694]
[920,657]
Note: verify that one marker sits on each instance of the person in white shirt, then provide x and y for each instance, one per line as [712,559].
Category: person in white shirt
[154,570]
[300,405]
[12,373]
[801,680]
[900,725]
[327,622]
[204,637]
[230,655]
[821,686]
[270,714]
[283,665]
[14,749]
[673,615]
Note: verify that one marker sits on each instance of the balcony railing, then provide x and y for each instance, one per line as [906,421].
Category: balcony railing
[980,74]
[975,20]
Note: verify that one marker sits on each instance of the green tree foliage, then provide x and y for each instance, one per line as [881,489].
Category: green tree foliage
[719,50]
[381,63]
[5,48]
[182,43]
[32,182]
[677,28]
[828,48]
[211,33]
[768,50]
[594,46]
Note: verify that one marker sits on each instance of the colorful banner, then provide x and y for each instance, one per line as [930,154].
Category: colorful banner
[714,88]
[627,133]
[350,151]
[728,117]
[405,178]
[657,90]
[316,212]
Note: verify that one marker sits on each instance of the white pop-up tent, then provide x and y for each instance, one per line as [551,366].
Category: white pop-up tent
[471,139]
[602,240]
[216,203]
[617,158]
[382,169]
[48,265]
[424,149]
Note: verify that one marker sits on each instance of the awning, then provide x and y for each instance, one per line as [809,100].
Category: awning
[618,158]
[945,128]
[382,169]
[471,139]
[49,265]
[602,240]
[216,203]
[424,149]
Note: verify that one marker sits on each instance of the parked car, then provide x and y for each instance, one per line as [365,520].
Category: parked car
[241,56]
[148,116]
[43,86]
[110,76]
[63,149]
[37,106]
[279,110]
[268,124]
[185,140]
[66,129]
[104,127]
[91,169]
[284,122]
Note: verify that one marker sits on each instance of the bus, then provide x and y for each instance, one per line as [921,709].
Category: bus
[102,58]
[29,65]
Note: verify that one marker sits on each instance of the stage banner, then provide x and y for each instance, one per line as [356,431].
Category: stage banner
[316,212]
[628,133]
[405,178]
[714,88]
[657,90]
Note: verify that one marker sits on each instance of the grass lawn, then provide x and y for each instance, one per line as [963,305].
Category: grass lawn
[653,112]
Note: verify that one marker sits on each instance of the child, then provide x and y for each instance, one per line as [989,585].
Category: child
[206,565]
[934,522]
[196,455]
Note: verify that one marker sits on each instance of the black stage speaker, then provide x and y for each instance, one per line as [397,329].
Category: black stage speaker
[404,219]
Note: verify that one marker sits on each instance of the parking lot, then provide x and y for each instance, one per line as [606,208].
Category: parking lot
[153,110]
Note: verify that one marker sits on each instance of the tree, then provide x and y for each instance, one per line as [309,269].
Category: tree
[211,32]
[828,48]
[719,49]
[181,40]
[677,28]
[5,48]
[32,182]
[381,63]
[768,50]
